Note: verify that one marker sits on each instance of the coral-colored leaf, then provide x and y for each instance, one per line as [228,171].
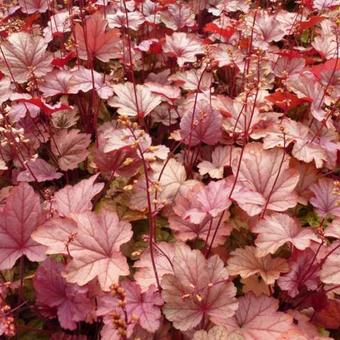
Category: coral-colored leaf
[55,234]
[70,148]
[329,317]
[258,318]
[197,288]
[277,229]
[77,199]
[244,262]
[263,172]
[95,249]
[94,41]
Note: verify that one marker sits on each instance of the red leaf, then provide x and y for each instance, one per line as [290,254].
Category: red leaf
[29,21]
[61,62]
[311,22]
[46,108]
[329,317]
[226,32]
[286,101]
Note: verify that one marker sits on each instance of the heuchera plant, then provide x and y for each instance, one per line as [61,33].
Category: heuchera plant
[169,169]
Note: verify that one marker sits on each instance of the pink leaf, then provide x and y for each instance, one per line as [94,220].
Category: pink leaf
[334,229]
[95,249]
[70,301]
[330,272]
[220,158]
[198,288]
[202,125]
[144,306]
[183,46]
[122,138]
[277,229]
[32,6]
[210,201]
[268,28]
[57,82]
[81,80]
[261,172]
[163,256]
[178,16]
[193,79]
[258,318]
[26,56]
[204,230]
[214,333]
[304,272]
[18,220]
[55,234]
[38,170]
[238,118]
[125,100]
[307,85]
[77,198]
[118,20]
[308,176]
[5,89]
[327,198]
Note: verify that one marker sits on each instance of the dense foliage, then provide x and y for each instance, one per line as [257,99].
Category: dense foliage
[169,169]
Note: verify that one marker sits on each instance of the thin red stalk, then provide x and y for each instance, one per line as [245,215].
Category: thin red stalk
[163,253]
[215,233]
[247,61]
[276,178]
[194,111]
[151,221]
[131,60]
[21,274]
[330,289]
[90,58]
[307,273]
[245,137]
[333,72]
[19,153]
[207,238]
